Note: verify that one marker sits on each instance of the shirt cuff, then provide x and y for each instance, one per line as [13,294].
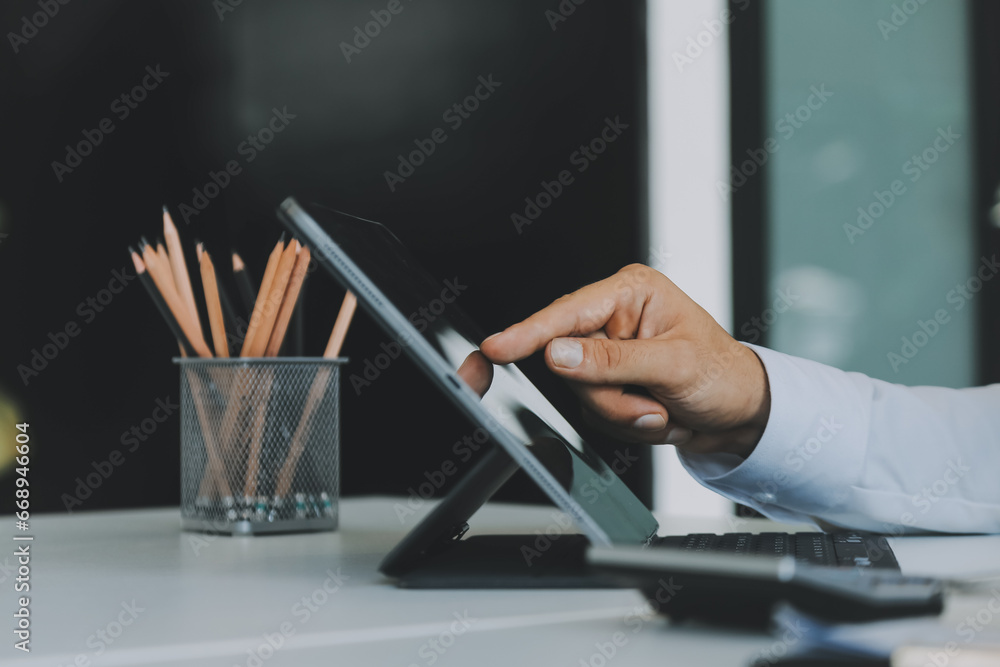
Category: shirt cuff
[812,449]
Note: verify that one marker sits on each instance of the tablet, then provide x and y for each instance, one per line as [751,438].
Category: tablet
[424,317]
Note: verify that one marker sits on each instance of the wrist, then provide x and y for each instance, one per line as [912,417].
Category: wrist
[758,408]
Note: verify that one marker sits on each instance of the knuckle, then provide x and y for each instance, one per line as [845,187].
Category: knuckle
[606,354]
[633,268]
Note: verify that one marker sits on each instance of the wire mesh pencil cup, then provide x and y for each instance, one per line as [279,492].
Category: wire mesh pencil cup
[260,444]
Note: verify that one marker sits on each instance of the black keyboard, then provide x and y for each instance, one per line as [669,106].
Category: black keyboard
[841,549]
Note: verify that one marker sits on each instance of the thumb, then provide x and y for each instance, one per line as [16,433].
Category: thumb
[646,361]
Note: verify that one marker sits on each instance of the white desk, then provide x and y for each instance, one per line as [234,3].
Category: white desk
[210,600]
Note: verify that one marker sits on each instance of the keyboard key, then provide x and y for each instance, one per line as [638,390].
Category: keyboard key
[773,544]
[847,549]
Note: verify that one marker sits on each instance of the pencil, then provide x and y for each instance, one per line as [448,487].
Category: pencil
[228,314]
[160,276]
[161,305]
[265,289]
[215,320]
[347,308]
[244,282]
[228,317]
[258,426]
[276,294]
[215,470]
[258,348]
[164,257]
[288,303]
[257,321]
[178,266]
[287,473]
[297,327]
[214,473]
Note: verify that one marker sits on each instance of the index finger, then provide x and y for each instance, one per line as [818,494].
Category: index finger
[584,311]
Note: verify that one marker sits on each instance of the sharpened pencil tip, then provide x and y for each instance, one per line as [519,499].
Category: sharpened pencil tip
[143,243]
[140,266]
[238,264]
[282,239]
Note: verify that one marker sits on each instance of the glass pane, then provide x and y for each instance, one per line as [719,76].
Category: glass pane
[871,240]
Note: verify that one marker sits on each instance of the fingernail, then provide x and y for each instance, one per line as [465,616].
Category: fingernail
[567,353]
[491,337]
[651,422]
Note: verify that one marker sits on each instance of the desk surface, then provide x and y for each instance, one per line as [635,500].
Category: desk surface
[129,588]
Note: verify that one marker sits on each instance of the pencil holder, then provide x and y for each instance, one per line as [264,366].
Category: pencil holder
[260,444]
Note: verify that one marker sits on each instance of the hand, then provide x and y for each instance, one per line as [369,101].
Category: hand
[704,391]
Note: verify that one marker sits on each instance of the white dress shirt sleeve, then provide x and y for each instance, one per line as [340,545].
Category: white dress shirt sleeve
[845,450]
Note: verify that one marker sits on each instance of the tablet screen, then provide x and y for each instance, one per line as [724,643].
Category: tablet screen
[430,311]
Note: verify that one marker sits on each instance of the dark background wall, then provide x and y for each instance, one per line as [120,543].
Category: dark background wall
[222,75]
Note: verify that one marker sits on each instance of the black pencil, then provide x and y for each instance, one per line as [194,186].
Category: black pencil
[229,316]
[161,305]
[296,330]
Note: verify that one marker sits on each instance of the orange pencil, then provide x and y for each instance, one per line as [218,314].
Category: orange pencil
[160,276]
[262,294]
[288,303]
[269,312]
[215,319]
[179,267]
[340,327]
[287,473]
